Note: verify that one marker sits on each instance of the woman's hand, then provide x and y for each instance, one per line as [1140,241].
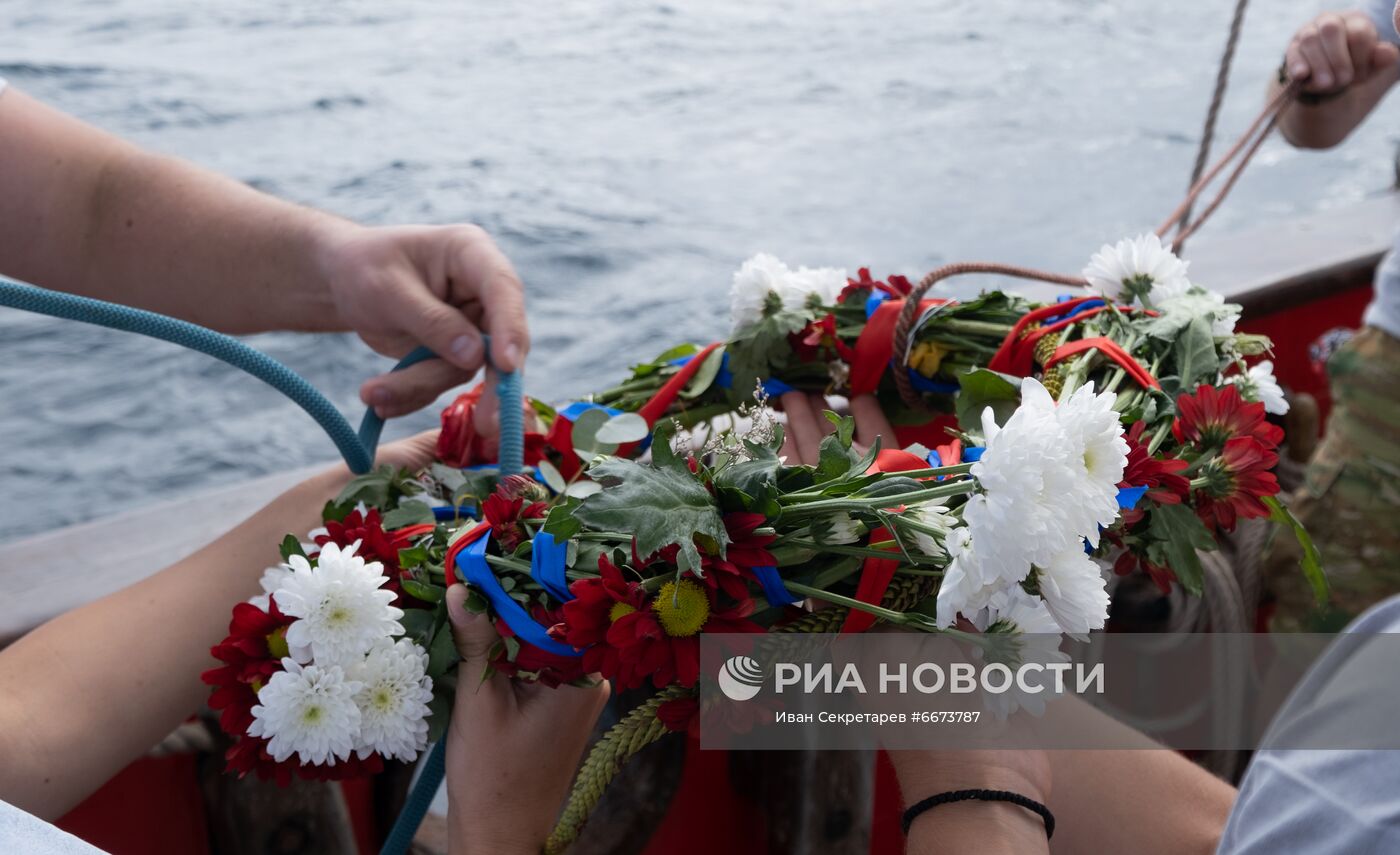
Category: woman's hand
[438,286]
[807,426]
[512,747]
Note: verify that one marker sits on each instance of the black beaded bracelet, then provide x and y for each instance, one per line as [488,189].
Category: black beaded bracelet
[931,802]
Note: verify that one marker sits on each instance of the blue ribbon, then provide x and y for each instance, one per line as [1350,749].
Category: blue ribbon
[478,573]
[1082,307]
[973,453]
[924,384]
[547,559]
[451,513]
[773,587]
[724,378]
[1128,497]
[872,303]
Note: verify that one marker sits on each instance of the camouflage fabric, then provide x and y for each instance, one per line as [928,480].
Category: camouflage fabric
[1350,497]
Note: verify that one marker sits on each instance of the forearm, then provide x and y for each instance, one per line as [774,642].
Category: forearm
[87,213]
[84,694]
[984,827]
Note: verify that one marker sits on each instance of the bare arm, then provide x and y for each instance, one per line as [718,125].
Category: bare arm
[1341,56]
[85,212]
[87,692]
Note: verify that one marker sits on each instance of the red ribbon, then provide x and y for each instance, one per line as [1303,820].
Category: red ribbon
[1005,359]
[659,403]
[472,536]
[1111,349]
[875,578]
[894,460]
[875,346]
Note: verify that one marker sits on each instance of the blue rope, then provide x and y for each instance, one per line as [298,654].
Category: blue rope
[420,798]
[356,447]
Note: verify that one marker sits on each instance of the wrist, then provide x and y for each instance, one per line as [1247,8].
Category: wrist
[926,773]
[325,238]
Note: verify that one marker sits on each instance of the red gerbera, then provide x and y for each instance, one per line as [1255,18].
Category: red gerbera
[1160,574]
[1161,475]
[1237,482]
[607,615]
[1214,416]
[681,610]
[252,653]
[532,663]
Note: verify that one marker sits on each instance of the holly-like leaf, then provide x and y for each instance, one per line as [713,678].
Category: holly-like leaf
[659,507]
[1176,533]
[1311,562]
[662,455]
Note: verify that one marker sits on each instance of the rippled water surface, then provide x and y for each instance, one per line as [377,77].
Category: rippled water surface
[628,157]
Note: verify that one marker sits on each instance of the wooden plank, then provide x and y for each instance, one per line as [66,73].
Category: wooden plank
[37,573]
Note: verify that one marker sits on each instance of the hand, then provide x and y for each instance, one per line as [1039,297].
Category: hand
[1338,49]
[438,286]
[806,426]
[512,747]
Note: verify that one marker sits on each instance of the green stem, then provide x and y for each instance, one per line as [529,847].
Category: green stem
[956,488]
[842,549]
[948,471]
[848,602]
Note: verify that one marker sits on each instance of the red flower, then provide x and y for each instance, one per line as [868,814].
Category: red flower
[1237,482]
[1160,574]
[532,663]
[460,445]
[607,616]
[506,517]
[1161,475]
[820,337]
[252,653]
[745,551]
[375,543]
[1212,417]
[898,286]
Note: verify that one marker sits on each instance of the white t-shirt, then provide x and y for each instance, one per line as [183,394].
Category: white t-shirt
[1384,311]
[22,832]
[1328,802]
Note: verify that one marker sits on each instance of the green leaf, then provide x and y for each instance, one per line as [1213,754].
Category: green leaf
[585,434]
[1311,562]
[982,388]
[662,455]
[705,375]
[407,514]
[1177,533]
[417,625]
[372,488]
[442,655]
[845,426]
[834,460]
[624,427]
[421,590]
[291,546]
[659,507]
[1195,354]
[439,712]
[413,556]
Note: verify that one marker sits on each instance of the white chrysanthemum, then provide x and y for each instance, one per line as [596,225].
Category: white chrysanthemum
[837,529]
[1025,475]
[762,286]
[1035,639]
[812,287]
[307,711]
[340,605]
[1259,384]
[929,524]
[1135,266]
[1074,591]
[966,588]
[1098,455]
[272,579]
[393,700]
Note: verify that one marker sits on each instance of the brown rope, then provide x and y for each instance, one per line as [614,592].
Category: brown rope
[1217,99]
[1248,144]
[904,326]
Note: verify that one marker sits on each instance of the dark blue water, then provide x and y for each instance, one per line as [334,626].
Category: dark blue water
[628,157]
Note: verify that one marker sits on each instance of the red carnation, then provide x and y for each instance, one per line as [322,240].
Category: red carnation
[1161,475]
[745,551]
[1236,483]
[819,339]
[368,529]
[1212,417]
